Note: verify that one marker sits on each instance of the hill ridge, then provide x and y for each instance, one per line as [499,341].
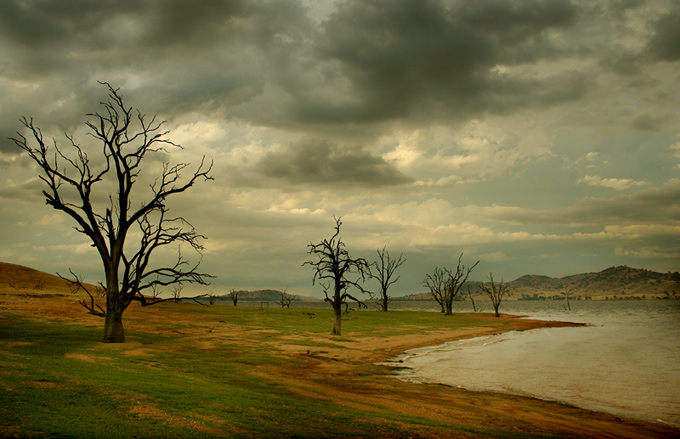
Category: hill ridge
[613,283]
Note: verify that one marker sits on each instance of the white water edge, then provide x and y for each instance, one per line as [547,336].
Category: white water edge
[625,362]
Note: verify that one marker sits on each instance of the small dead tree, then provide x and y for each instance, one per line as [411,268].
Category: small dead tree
[444,284]
[176,292]
[285,299]
[102,197]
[155,291]
[334,265]
[567,296]
[212,298]
[234,296]
[495,291]
[436,283]
[474,306]
[385,267]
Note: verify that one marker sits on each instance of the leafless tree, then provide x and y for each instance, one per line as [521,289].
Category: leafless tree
[234,296]
[436,283]
[567,295]
[212,298]
[39,285]
[335,266]
[385,267]
[155,291]
[444,284]
[76,185]
[285,298]
[176,292]
[495,291]
[474,306]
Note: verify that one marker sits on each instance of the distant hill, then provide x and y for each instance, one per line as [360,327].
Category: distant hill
[614,283]
[266,296]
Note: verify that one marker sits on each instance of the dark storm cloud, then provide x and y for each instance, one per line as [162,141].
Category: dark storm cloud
[665,44]
[402,56]
[322,162]
[649,206]
[54,23]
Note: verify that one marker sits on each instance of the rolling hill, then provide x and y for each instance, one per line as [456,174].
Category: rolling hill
[614,283]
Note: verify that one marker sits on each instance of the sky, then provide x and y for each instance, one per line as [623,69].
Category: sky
[537,137]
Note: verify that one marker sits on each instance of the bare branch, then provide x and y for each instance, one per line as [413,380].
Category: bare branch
[76,284]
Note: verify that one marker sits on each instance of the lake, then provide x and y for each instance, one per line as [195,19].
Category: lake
[625,362]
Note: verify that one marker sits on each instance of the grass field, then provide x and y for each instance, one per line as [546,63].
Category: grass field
[240,372]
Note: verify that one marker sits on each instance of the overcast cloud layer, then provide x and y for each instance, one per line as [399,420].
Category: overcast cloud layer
[538,137]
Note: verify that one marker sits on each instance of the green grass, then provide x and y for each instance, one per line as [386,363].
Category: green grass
[57,380]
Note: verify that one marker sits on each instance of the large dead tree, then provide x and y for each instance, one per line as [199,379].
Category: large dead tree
[333,270]
[385,267]
[444,284]
[495,292]
[102,197]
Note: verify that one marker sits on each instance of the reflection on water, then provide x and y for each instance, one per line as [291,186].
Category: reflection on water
[626,362]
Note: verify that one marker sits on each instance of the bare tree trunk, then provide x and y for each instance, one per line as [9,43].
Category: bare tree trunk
[384,303]
[337,322]
[113,326]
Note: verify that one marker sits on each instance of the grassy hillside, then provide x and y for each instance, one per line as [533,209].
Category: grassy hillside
[17,279]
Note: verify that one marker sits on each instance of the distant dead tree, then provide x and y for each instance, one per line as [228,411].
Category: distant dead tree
[385,267]
[212,298]
[234,296]
[567,296]
[495,291]
[334,265]
[155,291]
[176,292]
[78,177]
[474,306]
[285,299]
[444,284]
[436,283]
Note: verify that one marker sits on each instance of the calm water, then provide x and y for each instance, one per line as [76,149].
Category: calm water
[627,362]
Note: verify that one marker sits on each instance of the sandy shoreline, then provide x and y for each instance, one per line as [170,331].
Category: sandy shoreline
[445,403]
